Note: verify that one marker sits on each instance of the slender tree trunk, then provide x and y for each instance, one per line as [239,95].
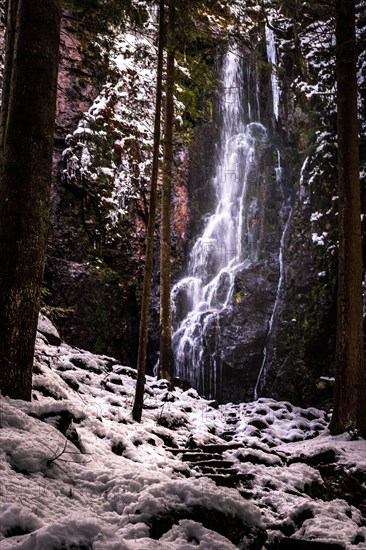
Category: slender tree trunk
[149,262]
[166,352]
[350,376]
[25,182]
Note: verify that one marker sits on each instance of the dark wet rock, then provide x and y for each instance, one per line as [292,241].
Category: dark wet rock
[48,330]
[83,363]
[259,424]
[70,381]
[298,517]
[243,535]
[340,484]
[302,345]
[127,371]
[299,544]
[118,448]
[324,457]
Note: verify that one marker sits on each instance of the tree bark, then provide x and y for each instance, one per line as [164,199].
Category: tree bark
[11,8]
[350,375]
[166,352]
[149,262]
[25,182]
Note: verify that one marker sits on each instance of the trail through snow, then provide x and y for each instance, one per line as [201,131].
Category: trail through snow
[77,472]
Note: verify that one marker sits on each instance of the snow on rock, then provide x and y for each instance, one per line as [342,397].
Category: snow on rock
[77,472]
[188,531]
[48,330]
[109,153]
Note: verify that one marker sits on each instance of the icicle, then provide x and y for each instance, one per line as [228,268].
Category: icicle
[302,190]
[278,169]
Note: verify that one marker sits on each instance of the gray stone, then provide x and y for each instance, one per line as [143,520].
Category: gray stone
[48,330]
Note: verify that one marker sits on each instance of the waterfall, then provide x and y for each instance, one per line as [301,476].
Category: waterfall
[272,59]
[229,240]
[263,370]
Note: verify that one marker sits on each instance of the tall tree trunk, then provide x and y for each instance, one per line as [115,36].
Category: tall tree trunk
[350,376]
[166,352]
[149,262]
[11,8]
[25,182]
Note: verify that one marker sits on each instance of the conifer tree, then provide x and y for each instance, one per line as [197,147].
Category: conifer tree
[149,261]
[350,375]
[166,351]
[27,133]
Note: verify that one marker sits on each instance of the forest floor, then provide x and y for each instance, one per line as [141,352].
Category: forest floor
[77,473]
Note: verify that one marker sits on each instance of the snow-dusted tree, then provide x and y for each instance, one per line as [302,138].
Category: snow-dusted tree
[149,261]
[350,376]
[166,351]
[190,20]
[28,113]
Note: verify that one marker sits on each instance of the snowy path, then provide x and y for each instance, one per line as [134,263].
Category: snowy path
[78,473]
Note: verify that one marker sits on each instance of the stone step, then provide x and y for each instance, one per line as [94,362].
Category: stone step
[183,450]
[200,456]
[300,544]
[246,494]
[228,436]
[245,479]
[220,448]
[231,480]
[213,470]
[222,480]
[214,463]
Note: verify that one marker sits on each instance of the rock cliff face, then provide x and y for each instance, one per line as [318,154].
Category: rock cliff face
[276,337]
[300,348]
[234,339]
[100,191]
[94,279]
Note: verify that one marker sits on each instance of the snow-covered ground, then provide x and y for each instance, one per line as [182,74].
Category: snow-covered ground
[78,473]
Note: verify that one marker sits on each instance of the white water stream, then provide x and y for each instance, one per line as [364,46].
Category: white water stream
[262,376]
[272,58]
[226,243]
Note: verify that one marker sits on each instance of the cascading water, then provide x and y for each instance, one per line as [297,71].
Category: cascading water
[272,58]
[230,239]
[286,214]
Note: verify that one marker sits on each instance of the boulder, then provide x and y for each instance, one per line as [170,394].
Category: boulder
[48,330]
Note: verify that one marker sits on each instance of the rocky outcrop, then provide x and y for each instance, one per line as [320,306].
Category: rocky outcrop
[302,344]
[93,280]
[232,344]
[301,347]
[97,231]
